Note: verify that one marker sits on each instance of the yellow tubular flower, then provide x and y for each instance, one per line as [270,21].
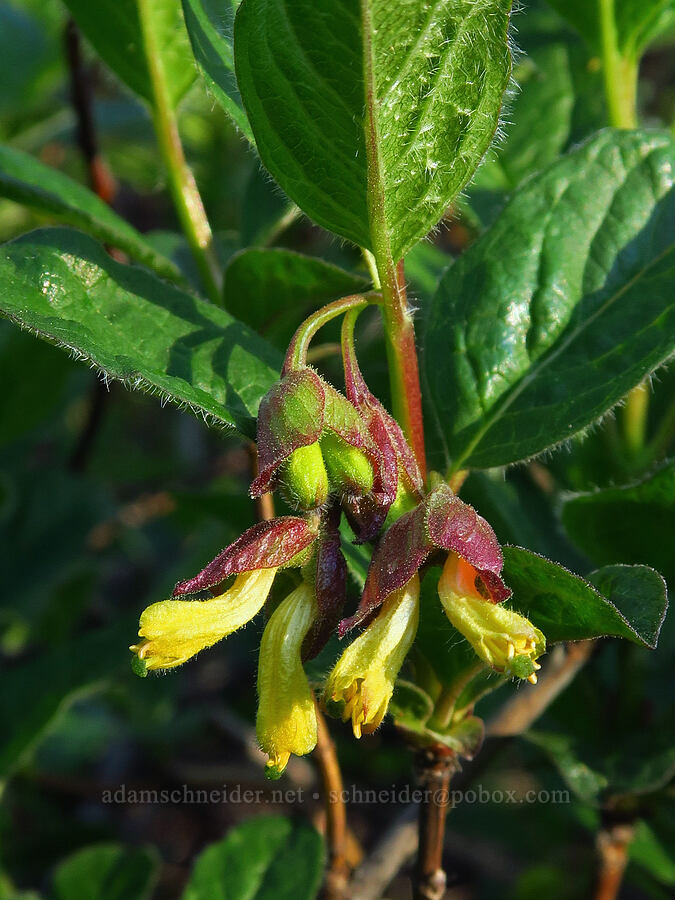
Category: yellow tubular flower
[361,684]
[175,630]
[286,721]
[502,638]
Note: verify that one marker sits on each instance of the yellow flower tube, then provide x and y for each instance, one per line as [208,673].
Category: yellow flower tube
[502,638]
[362,683]
[286,721]
[175,630]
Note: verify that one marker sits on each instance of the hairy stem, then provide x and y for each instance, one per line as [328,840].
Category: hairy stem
[435,767]
[335,887]
[186,197]
[399,330]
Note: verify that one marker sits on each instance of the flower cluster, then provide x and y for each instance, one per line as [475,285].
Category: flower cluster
[332,454]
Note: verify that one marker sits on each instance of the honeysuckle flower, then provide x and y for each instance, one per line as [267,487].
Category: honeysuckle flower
[286,720]
[443,526]
[312,442]
[173,631]
[501,637]
[362,683]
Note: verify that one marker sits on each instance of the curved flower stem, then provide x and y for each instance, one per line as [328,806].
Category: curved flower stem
[336,812]
[186,197]
[296,355]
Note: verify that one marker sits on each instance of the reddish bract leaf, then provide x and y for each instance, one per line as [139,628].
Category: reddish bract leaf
[291,415]
[264,546]
[401,552]
[441,522]
[330,583]
[454,525]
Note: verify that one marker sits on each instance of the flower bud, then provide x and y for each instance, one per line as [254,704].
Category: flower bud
[304,477]
[362,683]
[349,468]
[286,721]
[502,638]
[297,418]
[175,630]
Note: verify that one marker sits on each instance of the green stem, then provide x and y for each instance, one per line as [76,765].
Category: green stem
[620,73]
[182,185]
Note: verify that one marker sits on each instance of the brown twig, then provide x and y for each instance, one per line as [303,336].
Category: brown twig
[103,184]
[100,177]
[401,841]
[612,845]
[435,767]
[337,874]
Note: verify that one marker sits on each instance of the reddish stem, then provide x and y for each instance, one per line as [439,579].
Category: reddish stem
[402,354]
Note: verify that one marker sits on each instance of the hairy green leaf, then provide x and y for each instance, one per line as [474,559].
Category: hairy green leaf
[106,872]
[633,523]
[622,601]
[564,305]
[26,180]
[118,30]
[210,24]
[153,336]
[373,114]
[267,858]
[274,290]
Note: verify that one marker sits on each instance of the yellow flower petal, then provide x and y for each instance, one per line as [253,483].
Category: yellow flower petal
[361,684]
[502,638]
[175,630]
[286,721]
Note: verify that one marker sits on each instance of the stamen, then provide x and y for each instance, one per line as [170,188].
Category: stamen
[532,679]
[536,665]
[510,651]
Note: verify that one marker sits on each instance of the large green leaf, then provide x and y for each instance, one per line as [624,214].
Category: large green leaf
[105,872]
[638,22]
[268,858]
[153,336]
[274,290]
[622,601]
[633,523]
[26,180]
[210,24]
[563,305]
[134,36]
[373,114]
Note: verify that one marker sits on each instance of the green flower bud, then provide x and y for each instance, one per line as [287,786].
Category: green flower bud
[349,468]
[305,478]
